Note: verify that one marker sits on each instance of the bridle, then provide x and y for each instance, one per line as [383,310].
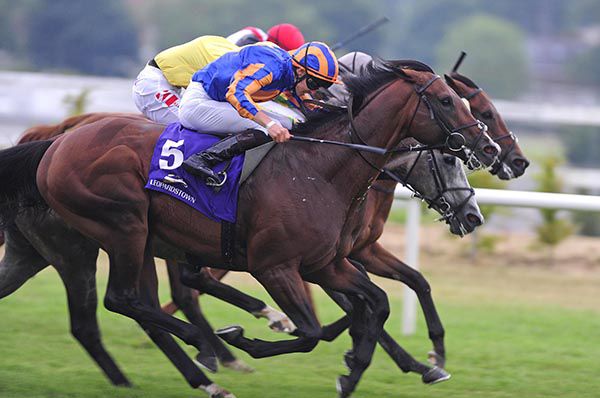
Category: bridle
[438,201]
[444,125]
[504,154]
[495,168]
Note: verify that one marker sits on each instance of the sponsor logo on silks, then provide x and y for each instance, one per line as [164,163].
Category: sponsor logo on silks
[176,191]
[167,97]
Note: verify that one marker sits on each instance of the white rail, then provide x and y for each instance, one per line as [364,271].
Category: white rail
[543,200]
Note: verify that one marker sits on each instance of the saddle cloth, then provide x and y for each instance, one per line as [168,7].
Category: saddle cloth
[177,143]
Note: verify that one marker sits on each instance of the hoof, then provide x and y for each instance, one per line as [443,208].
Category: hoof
[278,321]
[238,366]
[436,359]
[435,375]
[349,360]
[343,387]
[207,362]
[231,333]
[123,384]
[216,391]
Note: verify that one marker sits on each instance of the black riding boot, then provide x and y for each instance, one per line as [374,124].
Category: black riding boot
[201,163]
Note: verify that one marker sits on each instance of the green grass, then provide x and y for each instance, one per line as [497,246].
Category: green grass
[496,348]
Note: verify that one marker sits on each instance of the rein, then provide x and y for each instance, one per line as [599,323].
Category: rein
[439,201]
[504,154]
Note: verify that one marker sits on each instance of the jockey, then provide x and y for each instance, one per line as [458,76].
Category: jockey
[222,98]
[156,90]
[285,35]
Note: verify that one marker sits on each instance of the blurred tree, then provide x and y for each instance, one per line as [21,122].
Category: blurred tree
[13,34]
[584,69]
[483,179]
[179,21]
[85,36]
[497,57]
[420,25]
[581,13]
[582,144]
[553,229]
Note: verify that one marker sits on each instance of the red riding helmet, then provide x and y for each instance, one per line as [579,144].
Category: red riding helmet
[286,36]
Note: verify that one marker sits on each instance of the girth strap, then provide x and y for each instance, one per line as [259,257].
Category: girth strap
[227,241]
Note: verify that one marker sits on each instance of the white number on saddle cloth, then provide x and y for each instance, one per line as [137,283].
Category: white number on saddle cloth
[171,149]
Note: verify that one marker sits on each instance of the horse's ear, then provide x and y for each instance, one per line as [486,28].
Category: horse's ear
[407,73]
[451,82]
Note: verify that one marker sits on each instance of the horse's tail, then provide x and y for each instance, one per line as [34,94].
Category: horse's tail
[18,186]
[47,131]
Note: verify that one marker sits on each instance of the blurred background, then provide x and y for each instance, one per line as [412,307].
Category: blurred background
[530,276]
[538,59]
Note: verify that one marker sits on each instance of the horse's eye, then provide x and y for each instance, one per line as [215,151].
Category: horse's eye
[446,101]
[451,160]
[487,115]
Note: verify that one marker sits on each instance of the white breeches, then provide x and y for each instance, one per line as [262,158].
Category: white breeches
[155,97]
[198,111]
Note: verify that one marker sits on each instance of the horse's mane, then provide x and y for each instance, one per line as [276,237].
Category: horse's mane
[464,79]
[370,78]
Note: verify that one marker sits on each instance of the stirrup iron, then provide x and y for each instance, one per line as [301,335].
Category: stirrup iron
[212,183]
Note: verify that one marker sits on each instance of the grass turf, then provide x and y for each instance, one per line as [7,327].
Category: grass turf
[496,348]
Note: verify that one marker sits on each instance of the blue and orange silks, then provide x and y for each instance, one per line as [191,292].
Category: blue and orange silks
[257,73]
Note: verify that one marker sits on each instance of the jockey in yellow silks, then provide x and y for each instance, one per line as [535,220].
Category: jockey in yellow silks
[157,88]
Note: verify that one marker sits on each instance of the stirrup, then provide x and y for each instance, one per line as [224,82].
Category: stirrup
[211,182]
[174,179]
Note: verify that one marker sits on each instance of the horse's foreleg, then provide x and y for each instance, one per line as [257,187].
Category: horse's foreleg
[370,310]
[286,287]
[194,376]
[205,282]
[128,253]
[380,262]
[185,299]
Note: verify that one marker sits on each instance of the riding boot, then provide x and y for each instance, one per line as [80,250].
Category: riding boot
[201,163]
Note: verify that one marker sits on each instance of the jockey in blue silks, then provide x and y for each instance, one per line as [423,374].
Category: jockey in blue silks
[224,97]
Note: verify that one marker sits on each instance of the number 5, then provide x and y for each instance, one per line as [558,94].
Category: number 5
[170,149]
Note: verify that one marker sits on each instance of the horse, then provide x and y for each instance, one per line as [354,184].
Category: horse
[125,146]
[511,163]
[74,257]
[185,298]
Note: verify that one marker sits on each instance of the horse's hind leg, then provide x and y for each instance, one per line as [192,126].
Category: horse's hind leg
[205,282]
[187,302]
[380,262]
[194,376]
[80,283]
[20,262]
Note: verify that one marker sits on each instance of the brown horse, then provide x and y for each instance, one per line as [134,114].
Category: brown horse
[378,206]
[511,163]
[118,151]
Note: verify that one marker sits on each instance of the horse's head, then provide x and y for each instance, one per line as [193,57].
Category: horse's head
[511,163]
[440,116]
[439,179]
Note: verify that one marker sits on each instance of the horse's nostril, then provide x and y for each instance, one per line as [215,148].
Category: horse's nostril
[520,163]
[490,150]
[474,219]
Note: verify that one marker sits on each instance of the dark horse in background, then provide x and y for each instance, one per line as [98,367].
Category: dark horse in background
[124,218]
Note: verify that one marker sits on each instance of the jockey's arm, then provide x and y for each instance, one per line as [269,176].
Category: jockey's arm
[245,83]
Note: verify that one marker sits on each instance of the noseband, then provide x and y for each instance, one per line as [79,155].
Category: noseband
[451,133]
[437,202]
[504,153]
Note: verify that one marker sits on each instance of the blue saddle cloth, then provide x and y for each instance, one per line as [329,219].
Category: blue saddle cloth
[177,143]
